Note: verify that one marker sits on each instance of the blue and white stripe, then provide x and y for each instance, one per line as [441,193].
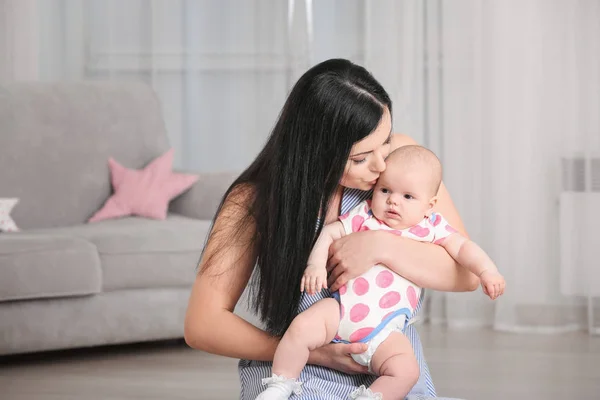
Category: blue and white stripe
[321,383]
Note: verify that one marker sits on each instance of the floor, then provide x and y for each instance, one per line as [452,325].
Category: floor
[470,364]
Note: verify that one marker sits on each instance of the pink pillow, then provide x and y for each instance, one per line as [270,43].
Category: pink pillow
[146,192]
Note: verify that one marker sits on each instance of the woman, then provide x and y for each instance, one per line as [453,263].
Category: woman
[324,155]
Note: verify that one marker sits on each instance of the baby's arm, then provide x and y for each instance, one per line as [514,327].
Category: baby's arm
[315,275]
[471,256]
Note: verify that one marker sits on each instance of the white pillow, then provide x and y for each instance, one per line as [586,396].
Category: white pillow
[6,222]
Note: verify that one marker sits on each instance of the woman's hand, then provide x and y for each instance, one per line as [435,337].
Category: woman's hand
[354,254]
[337,356]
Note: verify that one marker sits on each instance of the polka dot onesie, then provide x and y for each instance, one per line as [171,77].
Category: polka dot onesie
[369,302]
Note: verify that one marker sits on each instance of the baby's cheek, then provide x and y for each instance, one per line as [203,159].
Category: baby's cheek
[377,206]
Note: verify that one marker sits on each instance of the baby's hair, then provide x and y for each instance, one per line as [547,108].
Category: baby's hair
[418,156]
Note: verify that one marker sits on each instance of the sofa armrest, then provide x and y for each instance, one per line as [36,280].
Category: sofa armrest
[203,198]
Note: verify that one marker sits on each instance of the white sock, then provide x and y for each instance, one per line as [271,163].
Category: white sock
[279,388]
[362,393]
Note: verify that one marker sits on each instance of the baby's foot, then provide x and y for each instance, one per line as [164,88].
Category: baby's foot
[362,393]
[279,388]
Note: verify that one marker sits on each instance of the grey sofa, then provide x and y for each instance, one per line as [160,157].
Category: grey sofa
[65,283]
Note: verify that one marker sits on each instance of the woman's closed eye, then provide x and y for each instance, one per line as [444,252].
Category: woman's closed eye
[386,150]
[359,161]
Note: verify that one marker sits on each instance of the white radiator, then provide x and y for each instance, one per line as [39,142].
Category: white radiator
[579,224]
[580,243]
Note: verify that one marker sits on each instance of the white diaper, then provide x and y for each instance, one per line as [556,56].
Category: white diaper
[397,324]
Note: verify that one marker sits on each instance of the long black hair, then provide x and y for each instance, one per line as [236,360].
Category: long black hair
[332,106]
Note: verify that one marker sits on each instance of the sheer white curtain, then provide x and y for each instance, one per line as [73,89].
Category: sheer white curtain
[18,40]
[222,68]
[521,103]
[579,124]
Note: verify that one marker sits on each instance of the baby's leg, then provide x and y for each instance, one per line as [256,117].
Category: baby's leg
[311,329]
[395,363]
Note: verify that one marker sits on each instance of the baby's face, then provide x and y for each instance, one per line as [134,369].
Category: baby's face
[402,196]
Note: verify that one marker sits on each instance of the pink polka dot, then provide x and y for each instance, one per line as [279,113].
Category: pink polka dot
[360,286]
[411,295]
[360,334]
[357,222]
[359,312]
[364,228]
[419,231]
[396,232]
[342,311]
[389,299]
[384,279]
[436,219]
[343,290]
[338,337]
[343,217]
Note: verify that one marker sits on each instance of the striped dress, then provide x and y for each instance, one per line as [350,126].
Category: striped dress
[320,383]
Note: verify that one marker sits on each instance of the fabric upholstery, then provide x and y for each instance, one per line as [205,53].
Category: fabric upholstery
[105,318]
[57,138]
[204,197]
[144,253]
[47,265]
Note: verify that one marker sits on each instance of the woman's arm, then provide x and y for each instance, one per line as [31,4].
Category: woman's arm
[427,265]
[210,323]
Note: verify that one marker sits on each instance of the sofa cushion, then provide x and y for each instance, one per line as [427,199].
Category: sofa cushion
[140,253]
[42,265]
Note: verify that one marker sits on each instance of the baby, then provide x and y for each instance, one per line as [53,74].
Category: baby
[376,307]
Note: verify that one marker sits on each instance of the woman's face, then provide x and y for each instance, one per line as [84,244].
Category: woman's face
[367,157]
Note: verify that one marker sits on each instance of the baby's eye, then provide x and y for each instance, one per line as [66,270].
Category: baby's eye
[384,191]
[408,196]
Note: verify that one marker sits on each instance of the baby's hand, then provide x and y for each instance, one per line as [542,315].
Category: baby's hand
[314,279]
[492,283]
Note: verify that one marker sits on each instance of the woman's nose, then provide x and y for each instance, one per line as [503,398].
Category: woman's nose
[378,163]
